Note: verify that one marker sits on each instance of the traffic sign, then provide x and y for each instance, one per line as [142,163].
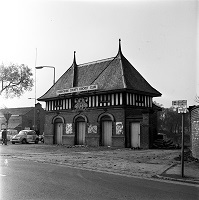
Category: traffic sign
[182,110]
[179,103]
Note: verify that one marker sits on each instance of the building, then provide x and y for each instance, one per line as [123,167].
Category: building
[101,103]
[194,122]
[24,118]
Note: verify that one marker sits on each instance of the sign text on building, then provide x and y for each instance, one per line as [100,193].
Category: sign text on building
[77,89]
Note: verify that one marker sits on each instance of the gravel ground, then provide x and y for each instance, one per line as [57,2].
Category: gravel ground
[144,163]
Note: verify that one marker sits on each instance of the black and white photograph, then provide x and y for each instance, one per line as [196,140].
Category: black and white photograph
[99,99]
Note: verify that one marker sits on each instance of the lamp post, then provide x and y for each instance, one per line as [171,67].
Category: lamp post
[41,67]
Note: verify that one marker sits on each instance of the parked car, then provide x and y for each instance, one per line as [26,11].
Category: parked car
[25,136]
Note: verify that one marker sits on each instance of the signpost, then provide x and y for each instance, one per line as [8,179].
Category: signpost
[181,106]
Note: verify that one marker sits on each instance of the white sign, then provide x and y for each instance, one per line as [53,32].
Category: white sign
[77,89]
[119,128]
[179,104]
[182,110]
[69,128]
[92,128]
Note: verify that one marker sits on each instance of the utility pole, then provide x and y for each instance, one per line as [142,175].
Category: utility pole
[182,148]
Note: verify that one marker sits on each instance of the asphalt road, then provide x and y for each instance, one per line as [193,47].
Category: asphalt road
[33,180]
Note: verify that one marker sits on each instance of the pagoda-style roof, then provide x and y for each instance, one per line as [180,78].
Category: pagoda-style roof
[109,74]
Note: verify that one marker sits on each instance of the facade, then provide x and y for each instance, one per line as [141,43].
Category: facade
[23,118]
[101,103]
[194,119]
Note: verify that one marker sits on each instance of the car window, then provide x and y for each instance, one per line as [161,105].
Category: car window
[30,133]
[22,133]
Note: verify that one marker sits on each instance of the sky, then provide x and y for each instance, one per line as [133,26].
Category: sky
[159,38]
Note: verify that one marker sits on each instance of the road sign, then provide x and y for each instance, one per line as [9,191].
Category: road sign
[181,105]
[182,110]
[175,103]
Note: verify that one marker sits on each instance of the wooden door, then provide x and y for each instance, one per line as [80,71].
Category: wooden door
[58,133]
[107,133]
[135,134]
[81,129]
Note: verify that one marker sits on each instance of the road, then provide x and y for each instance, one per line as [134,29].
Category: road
[35,180]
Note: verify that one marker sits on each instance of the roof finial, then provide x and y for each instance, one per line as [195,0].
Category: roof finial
[120,50]
[74,70]
[74,60]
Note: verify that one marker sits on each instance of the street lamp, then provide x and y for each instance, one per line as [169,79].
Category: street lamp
[41,67]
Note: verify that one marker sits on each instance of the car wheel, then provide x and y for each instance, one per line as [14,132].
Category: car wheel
[13,142]
[23,141]
[36,141]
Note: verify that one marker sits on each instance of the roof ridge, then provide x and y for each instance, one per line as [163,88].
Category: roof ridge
[113,58]
[122,70]
[93,62]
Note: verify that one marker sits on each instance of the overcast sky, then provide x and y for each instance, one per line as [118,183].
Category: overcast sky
[159,38]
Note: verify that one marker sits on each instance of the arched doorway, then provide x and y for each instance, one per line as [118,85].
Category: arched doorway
[58,127]
[80,130]
[106,131]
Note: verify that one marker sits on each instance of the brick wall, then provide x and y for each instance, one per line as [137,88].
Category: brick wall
[40,118]
[92,140]
[195,131]
[92,116]
[28,120]
[118,141]
[141,116]
[144,135]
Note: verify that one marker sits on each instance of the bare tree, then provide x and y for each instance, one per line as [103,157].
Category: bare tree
[15,80]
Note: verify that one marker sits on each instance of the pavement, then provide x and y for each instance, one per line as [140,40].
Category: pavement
[152,163]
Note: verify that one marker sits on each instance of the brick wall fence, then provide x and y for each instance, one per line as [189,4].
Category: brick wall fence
[194,118]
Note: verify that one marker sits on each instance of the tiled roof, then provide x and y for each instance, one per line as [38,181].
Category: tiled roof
[14,125]
[114,73]
[16,111]
[134,79]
